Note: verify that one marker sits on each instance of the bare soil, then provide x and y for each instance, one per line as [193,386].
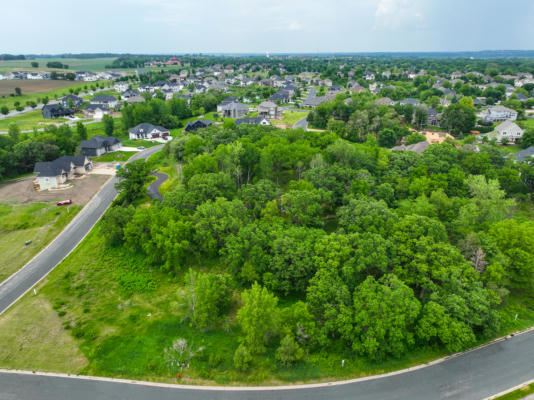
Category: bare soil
[32,86]
[80,193]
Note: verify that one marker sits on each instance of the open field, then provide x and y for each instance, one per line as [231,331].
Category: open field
[29,120]
[32,86]
[75,64]
[34,90]
[289,118]
[36,222]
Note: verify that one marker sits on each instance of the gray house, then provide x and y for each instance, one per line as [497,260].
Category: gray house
[56,111]
[198,124]
[234,110]
[75,100]
[52,174]
[108,101]
[148,131]
[98,145]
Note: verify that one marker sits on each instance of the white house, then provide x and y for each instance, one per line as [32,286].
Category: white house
[506,130]
[53,174]
[120,87]
[498,113]
[148,131]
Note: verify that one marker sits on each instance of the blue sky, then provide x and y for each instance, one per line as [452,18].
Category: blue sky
[259,26]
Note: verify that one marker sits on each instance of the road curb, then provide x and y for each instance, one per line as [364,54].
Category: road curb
[272,388]
[509,390]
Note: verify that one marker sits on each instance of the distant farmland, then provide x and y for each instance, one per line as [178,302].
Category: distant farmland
[75,64]
[32,86]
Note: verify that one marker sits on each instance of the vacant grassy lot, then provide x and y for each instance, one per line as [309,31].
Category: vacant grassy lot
[29,120]
[289,118]
[75,64]
[115,156]
[36,222]
[122,313]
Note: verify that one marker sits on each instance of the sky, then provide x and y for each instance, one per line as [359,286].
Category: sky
[260,26]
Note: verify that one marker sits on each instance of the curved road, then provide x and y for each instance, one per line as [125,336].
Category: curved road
[301,123]
[24,279]
[471,376]
[153,188]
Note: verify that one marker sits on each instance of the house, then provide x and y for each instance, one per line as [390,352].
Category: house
[357,88]
[198,124]
[120,87]
[225,102]
[282,96]
[506,130]
[368,76]
[432,117]
[255,120]
[74,100]
[56,111]
[233,110]
[98,145]
[146,88]
[148,131]
[413,102]
[525,155]
[129,93]
[268,110]
[96,111]
[417,147]
[385,101]
[52,174]
[108,101]
[498,114]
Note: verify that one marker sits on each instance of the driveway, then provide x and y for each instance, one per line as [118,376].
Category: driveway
[153,188]
[471,376]
[301,123]
[24,279]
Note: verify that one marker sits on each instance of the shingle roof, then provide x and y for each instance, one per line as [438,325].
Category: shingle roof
[97,142]
[102,98]
[48,169]
[146,127]
[524,154]
[251,120]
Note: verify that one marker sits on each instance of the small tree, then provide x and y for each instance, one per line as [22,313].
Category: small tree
[81,130]
[108,124]
[18,91]
[4,110]
[289,351]
[180,354]
[242,358]
[132,177]
[45,100]
[35,64]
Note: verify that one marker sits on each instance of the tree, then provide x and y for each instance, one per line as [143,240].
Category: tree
[208,297]
[459,119]
[81,131]
[258,317]
[114,222]
[289,352]
[366,215]
[13,131]
[387,138]
[34,64]
[18,91]
[304,207]
[132,178]
[385,312]
[527,139]
[242,358]
[4,110]
[108,124]
[421,116]
[415,137]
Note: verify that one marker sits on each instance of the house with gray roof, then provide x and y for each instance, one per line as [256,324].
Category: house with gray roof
[253,120]
[72,99]
[98,145]
[148,131]
[198,124]
[233,110]
[108,101]
[53,174]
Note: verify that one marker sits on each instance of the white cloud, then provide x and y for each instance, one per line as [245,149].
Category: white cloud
[400,14]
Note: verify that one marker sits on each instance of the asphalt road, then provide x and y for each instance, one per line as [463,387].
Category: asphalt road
[25,278]
[301,123]
[153,188]
[471,376]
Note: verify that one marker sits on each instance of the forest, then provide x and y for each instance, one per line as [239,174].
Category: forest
[310,244]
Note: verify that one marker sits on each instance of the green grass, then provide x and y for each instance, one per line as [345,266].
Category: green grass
[289,118]
[75,64]
[518,394]
[115,156]
[39,223]
[28,121]
[526,124]
[51,94]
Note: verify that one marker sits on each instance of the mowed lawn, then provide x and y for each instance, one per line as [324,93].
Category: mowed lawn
[35,222]
[289,118]
[29,120]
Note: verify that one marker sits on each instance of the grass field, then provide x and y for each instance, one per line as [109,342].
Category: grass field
[115,156]
[34,90]
[37,222]
[29,120]
[75,64]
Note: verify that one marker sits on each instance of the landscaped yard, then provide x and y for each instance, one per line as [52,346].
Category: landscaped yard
[38,223]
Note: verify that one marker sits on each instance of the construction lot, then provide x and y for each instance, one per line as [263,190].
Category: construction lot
[82,190]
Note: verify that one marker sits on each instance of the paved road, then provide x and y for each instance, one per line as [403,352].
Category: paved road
[301,123]
[472,376]
[153,188]
[24,279]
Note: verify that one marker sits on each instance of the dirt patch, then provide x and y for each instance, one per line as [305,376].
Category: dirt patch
[32,86]
[80,193]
